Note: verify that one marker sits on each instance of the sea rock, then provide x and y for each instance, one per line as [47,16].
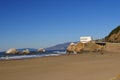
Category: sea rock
[26,51]
[12,51]
[71,48]
[41,50]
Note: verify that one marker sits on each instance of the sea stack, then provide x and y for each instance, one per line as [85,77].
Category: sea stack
[26,51]
[12,51]
[41,50]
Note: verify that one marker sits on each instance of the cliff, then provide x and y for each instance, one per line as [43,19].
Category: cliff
[114,35]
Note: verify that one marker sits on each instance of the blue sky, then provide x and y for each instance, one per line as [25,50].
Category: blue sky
[44,23]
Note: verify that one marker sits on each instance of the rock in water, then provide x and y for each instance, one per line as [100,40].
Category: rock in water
[41,50]
[12,51]
[26,51]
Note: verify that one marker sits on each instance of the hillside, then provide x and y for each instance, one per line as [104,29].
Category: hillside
[62,46]
[114,35]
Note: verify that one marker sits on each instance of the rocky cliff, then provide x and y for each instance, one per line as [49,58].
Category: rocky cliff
[114,35]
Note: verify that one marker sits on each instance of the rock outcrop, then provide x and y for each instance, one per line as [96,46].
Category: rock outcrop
[26,51]
[90,46]
[41,50]
[71,48]
[79,47]
[12,51]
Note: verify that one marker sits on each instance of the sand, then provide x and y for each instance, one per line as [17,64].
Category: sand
[87,66]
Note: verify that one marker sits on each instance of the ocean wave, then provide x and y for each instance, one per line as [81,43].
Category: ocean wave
[26,56]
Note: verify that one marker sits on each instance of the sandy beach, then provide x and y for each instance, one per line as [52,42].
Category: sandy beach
[87,66]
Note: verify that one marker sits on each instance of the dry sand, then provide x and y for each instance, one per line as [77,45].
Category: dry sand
[90,66]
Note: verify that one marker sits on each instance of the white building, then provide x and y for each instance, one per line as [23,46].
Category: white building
[85,39]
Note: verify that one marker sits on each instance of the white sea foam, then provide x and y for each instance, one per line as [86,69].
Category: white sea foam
[60,52]
[26,56]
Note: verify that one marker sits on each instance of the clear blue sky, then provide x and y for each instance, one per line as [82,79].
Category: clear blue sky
[43,23]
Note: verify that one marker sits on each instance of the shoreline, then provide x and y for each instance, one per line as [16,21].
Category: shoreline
[20,57]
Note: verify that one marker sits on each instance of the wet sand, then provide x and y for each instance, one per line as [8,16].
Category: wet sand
[87,66]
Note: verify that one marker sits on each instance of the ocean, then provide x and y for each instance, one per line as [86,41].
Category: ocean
[4,56]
